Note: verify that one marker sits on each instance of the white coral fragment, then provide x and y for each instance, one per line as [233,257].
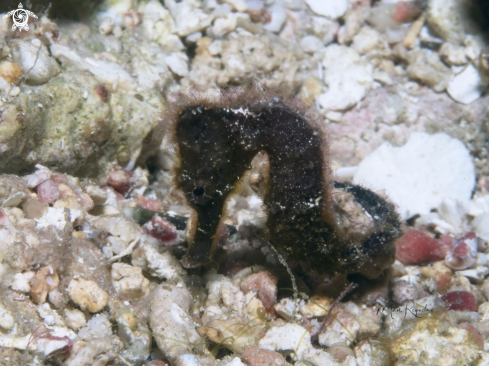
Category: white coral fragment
[163,265]
[329,8]
[107,72]
[289,337]
[178,63]
[21,281]
[419,175]
[348,77]
[467,86]
[172,325]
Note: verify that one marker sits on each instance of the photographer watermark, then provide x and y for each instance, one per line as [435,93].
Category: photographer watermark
[20,17]
[407,307]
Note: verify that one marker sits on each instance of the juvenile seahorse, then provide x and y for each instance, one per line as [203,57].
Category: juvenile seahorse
[329,227]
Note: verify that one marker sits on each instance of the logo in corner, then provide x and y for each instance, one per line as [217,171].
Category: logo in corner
[20,17]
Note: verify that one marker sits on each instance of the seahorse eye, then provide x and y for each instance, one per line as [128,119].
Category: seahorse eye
[198,191]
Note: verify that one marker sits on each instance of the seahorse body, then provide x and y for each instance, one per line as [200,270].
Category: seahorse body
[217,142]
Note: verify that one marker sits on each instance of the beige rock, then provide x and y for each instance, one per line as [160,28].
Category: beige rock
[288,308]
[172,326]
[452,20]
[7,320]
[188,16]
[255,309]
[74,318]
[316,307]
[123,315]
[426,66]
[366,40]
[18,342]
[372,352]
[256,356]
[320,357]
[96,343]
[57,298]
[235,334]
[310,90]
[33,209]
[129,281]
[106,26]
[98,195]
[348,325]
[430,342]
[124,229]
[163,265]
[238,5]
[10,71]
[50,316]
[409,40]
[87,295]
[453,54]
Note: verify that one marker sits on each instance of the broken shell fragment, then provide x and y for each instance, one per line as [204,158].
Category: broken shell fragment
[46,280]
[129,281]
[464,252]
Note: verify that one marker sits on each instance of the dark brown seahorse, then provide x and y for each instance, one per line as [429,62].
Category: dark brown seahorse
[330,227]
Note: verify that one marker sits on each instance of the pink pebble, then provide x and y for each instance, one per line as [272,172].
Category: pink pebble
[121,180]
[232,268]
[476,336]
[161,229]
[33,180]
[4,221]
[254,356]
[118,195]
[85,201]
[461,249]
[153,205]
[405,11]
[443,281]
[48,192]
[460,300]
[264,284]
[157,363]
[222,233]
[417,247]
[59,178]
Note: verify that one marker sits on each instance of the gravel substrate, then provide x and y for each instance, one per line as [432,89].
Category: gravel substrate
[94,229]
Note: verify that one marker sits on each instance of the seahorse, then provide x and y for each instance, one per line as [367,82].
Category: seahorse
[327,226]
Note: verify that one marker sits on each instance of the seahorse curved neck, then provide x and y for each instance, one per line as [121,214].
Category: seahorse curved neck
[217,146]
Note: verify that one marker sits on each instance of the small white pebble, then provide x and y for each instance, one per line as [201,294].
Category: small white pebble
[15,91]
